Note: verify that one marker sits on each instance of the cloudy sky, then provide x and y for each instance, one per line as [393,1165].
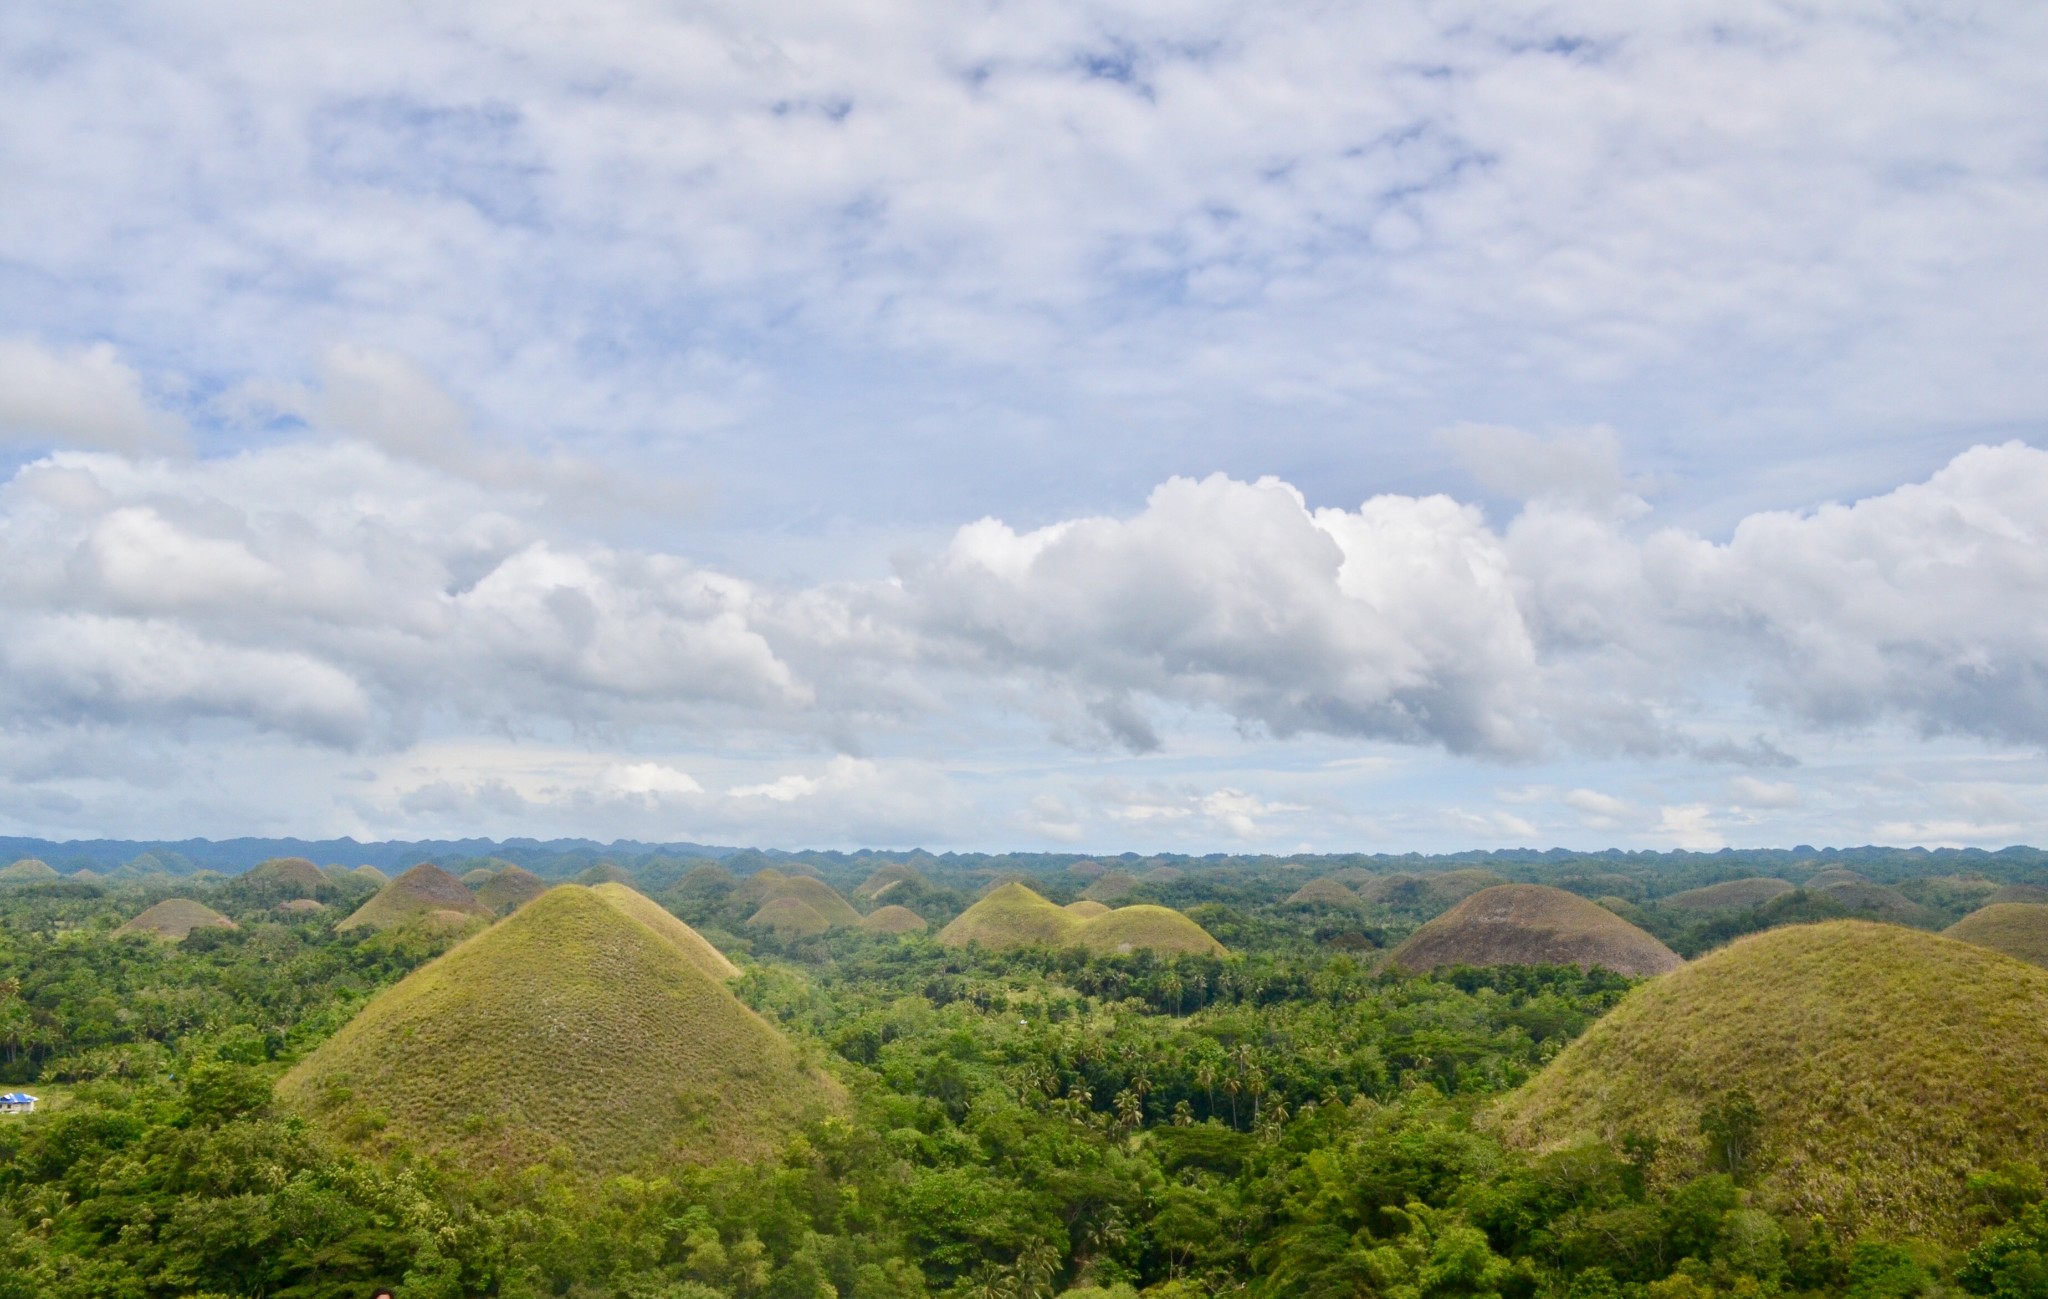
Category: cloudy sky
[1161,427]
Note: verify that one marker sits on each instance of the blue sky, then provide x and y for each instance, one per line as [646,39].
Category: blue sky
[1180,427]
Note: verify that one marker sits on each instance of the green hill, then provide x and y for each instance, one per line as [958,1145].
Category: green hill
[2019,929]
[1886,1065]
[86,875]
[1531,924]
[1088,870]
[2011,893]
[1163,875]
[1729,895]
[569,1032]
[662,921]
[371,875]
[1087,908]
[787,917]
[477,878]
[815,894]
[1835,875]
[1110,886]
[893,920]
[28,870]
[604,872]
[509,889]
[285,877]
[1428,894]
[1011,916]
[301,907]
[1157,929]
[426,887]
[173,918]
[1322,893]
[1876,901]
[887,878]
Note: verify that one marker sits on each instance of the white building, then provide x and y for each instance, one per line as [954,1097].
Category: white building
[17,1103]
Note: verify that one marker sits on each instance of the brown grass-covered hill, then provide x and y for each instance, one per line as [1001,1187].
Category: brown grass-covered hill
[509,889]
[1322,893]
[1149,928]
[286,877]
[28,870]
[604,872]
[424,888]
[1835,875]
[788,917]
[893,920]
[173,918]
[1110,886]
[1728,895]
[1887,1065]
[1163,875]
[814,893]
[1088,870]
[1532,924]
[1426,893]
[2008,893]
[477,878]
[301,907]
[1086,908]
[1014,916]
[2019,929]
[694,946]
[1876,900]
[371,875]
[85,875]
[888,877]
[567,1032]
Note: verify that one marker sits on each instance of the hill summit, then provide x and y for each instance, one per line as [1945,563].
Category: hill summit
[174,918]
[570,1032]
[1015,916]
[1533,924]
[509,889]
[412,896]
[1885,1066]
[2019,929]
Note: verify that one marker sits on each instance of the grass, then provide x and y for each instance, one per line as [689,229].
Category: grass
[1876,900]
[1729,895]
[422,889]
[1111,885]
[815,894]
[2019,893]
[173,918]
[887,877]
[1158,929]
[28,870]
[2019,929]
[1323,893]
[509,889]
[604,872]
[1887,1064]
[1015,916]
[371,875]
[688,941]
[1433,892]
[294,875]
[1087,908]
[571,1034]
[893,920]
[1532,924]
[789,918]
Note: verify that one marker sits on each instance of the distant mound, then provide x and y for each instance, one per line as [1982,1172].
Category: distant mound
[509,889]
[1157,929]
[1886,1066]
[2008,893]
[371,875]
[1353,876]
[1729,895]
[889,877]
[173,918]
[893,920]
[1876,900]
[2016,928]
[1012,916]
[1086,908]
[85,875]
[1163,875]
[1088,870]
[1322,893]
[1110,886]
[604,872]
[1426,893]
[816,894]
[286,877]
[301,907]
[1532,924]
[787,917]
[1835,875]
[567,1032]
[28,870]
[1003,881]
[688,941]
[477,878]
[424,888]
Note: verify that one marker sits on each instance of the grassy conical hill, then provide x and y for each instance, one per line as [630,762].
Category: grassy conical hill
[1835,875]
[1531,924]
[1163,875]
[1323,893]
[173,918]
[788,918]
[658,918]
[426,887]
[509,889]
[1878,901]
[1427,893]
[29,870]
[1087,908]
[1886,1065]
[1110,886]
[477,878]
[1158,929]
[893,920]
[1729,895]
[86,876]
[2011,893]
[371,875]
[286,877]
[1088,870]
[2019,929]
[568,1032]
[301,907]
[815,894]
[1012,916]
[604,872]
[887,877]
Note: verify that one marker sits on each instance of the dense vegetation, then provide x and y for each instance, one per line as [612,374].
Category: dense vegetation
[1289,1119]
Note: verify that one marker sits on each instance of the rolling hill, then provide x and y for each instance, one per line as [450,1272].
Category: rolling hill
[1885,1064]
[1011,916]
[814,893]
[174,918]
[1728,895]
[1875,900]
[893,920]
[1426,893]
[285,877]
[1322,893]
[788,917]
[887,877]
[1157,929]
[604,872]
[1110,886]
[688,941]
[1531,924]
[2019,929]
[1086,908]
[568,1033]
[371,875]
[28,870]
[424,888]
[509,889]
[2018,893]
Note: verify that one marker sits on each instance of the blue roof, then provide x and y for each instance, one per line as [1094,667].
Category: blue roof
[16,1098]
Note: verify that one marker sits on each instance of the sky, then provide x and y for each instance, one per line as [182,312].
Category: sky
[1066,426]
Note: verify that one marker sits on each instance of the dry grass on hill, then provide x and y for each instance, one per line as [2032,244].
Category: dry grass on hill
[888,877]
[815,894]
[509,889]
[371,875]
[28,870]
[2019,929]
[604,872]
[1729,895]
[1086,908]
[422,889]
[301,907]
[788,918]
[693,945]
[1426,893]
[1110,886]
[1157,929]
[173,918]
[1877,901]
[1163,875]
[1887,1066]
[294,875]
[893,920]
[1014,916]
[569,1033]
[1322,893]
[1531,924]
[1835,875]
[2018,893]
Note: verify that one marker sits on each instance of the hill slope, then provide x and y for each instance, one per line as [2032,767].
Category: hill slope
[568,1031]
[1728,895]
[1011,916]
[29,870]
[1157,929]
[1531,924]
[893,920]
[788,918]
[2019,929]
[509,889]
[815,894]
[1322,893]
[173,918]
[2019,893]
[1087,908]
[1887,1065]
[424,888]
[693,945]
